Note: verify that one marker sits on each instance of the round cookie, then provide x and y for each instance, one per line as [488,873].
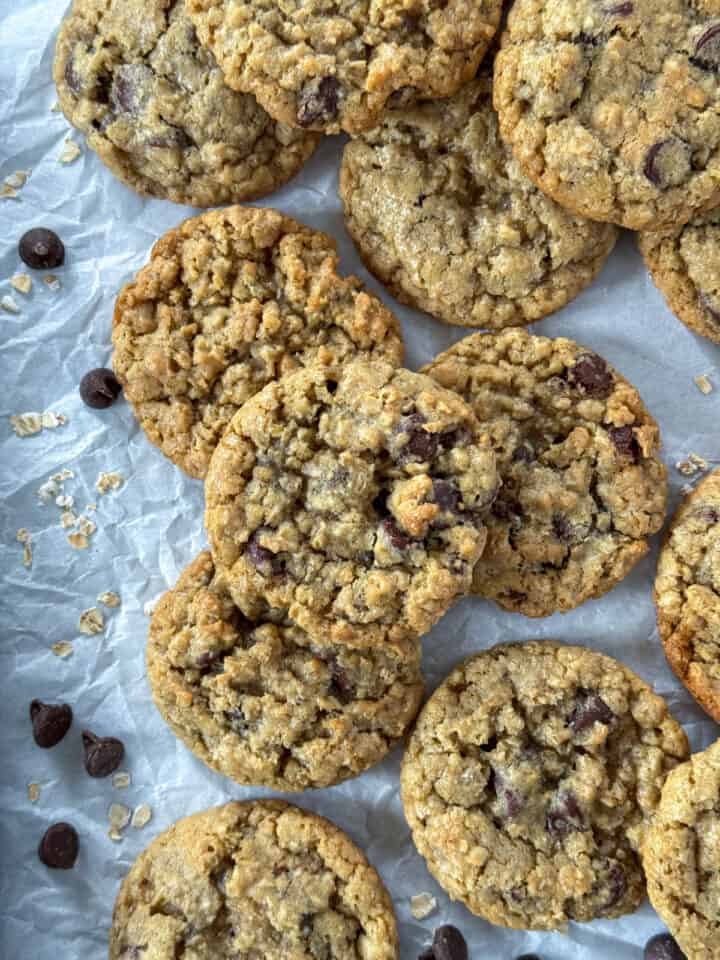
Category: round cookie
[577,452]
[337,65]
[529,780]
[351,499]
[153,105]
[613,109]
[685,267]
[262,703]
[687,594]
[229,301]
[260,879]
[441,212]
[681,855]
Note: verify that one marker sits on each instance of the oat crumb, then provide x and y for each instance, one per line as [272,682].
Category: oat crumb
[27,424]
[121,779]
[65,501]
[115,835]
[693,464]
[8,304]
[85,526]
[33,792]
[56,108]
[142,816]
[62,649]
[21,282]
[422,905]
[24,537]
[67,519]
[109,599]
[109,481]
[62,476]
[52,281]
[703,383]
[149,605]
[119,816]
[51,421]
[7,192]
[18,179]
[48,491]
[70,151]
[91,622]
[78,541]
[89,507]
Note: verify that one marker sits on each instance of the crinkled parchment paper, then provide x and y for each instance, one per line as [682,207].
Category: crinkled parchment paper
[151,527]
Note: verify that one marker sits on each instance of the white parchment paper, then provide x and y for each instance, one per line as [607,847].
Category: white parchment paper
[152,527]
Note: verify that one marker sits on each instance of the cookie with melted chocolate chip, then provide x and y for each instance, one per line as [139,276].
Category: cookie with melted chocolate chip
[352,499]
[530,780]
[583,487]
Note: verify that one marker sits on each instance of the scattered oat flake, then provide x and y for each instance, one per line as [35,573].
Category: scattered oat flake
[27,424]
[33,792]
[119,816]
[56,108]
[109,599]
[22,282]
[109,481]
[91,621]
[7,192]
[24,537]
[85,526]
[422,905]
[142,816]
[703,383]
[78,541]
[52,281]
[52,420]
[67,519]
[62,476]
[8,304]
[70,151]
[18,179]
[62,649]
[65,501]
[693,464]
[121,779]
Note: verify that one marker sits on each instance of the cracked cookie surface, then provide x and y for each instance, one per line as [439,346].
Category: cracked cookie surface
[681,855]
[351,499]
[577,452]
[529,781]
[613,109]
[336,65]
[262,879]
[229,301]
[685,266]
[262,703]
[441,212]
[153,105]
[687,594]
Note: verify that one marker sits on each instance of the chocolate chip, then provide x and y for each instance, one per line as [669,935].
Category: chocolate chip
[237,720]
[562,528]
[427,954]
[616,884]
[507,508]
[564,816]
[394,534]
[71,78]
[589,709]
[707,515]
[420,444]
[663,947]
[50,722]
[449,944]
[667,163]
[41,249]
[620,10]
[422,197]
[402,97]
[446,495]
[99,388]
[103,755]
[592,376]
[623,439]
[171,137]
[707,48]
[263,559]
[510,801]
[129,82]
[341,687]
[523,453]
[318,102]
[59,846]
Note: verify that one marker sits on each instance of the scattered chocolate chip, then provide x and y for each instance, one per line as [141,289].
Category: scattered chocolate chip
[171,137]
[210,662]
[341,687]
[564,816]
[562,528]
[623,439]
[265,560]
[446,495]
[592,376]
[59,846]
[420,445]
[621,10]
[449,944]
[402,97]
[663,947]
[616,884]
[331,386]
[427,954]
[103,755]
[127,85]
[507,508]
[707,514]
[454,438]
[510,801]
[71,78]
[589,709]
[422,197]
[394,534]
[523,453]
[41,249]
[50,722]
[490,745]
[99,388]
[529,956]
[318,102]
[707,48]
[667,163]
[237,720]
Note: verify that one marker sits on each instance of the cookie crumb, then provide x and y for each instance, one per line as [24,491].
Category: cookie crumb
[24,537]
[422,905]
[8,304]
[67,519]
[149,605]
[56,108]
[89,507]
[78,541]
[7,192]
[703,383]
[18,179]
[109,599]
[62,649]
[48,491]
[27,424]
[52,281]
[142,816]
[693,464]
[91,622]
[22,282]
[33,792]
[51,421]
[109,481]
[119,817]
[70,151]
[85,526]
[121,779]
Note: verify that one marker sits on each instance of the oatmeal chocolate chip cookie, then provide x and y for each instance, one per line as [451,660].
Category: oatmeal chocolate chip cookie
[687,594]
[263,703]
[153,105]
[681,855]
[229,301]
[685,267]
[529,780]
[351,499]
[336,65]
[441,212]
[260,879]
[577,452]
[613,109]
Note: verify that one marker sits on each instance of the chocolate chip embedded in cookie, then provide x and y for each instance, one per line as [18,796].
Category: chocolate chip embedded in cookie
[687,594]
[578,456]
[526,813]
[612,108]
[681,857]
[153,105]
[337,65]
[230,301]
[263,879]
[263,703]
[441,212]
[351,498]
[685,267]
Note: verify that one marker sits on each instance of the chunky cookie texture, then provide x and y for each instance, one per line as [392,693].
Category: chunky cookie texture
[351,499]
[153,105]
[682,855]
[613,108]
[230,301]
[687,594]
[530,779]
[264,704]
[441,212]
[336,65]
[685,267]
[582,483]
[263,879]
